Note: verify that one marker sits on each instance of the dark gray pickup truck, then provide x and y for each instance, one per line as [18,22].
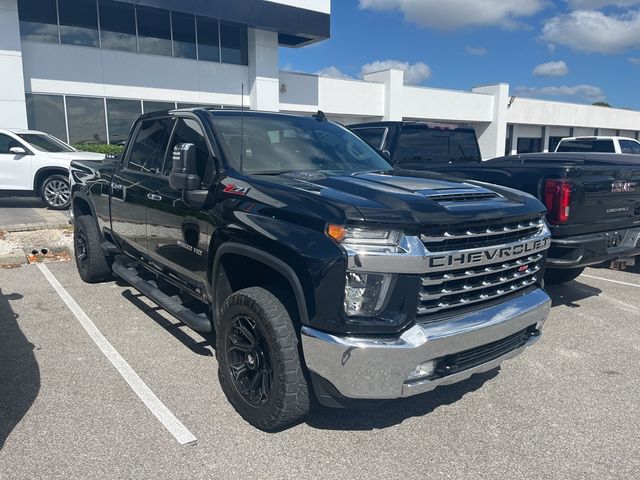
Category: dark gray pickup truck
[593,199]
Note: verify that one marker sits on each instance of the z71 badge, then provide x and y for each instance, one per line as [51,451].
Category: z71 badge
[236,189]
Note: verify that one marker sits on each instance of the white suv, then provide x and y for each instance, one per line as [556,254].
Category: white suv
[37,163]
[599,144]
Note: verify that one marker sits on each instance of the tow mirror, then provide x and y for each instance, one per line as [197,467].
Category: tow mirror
[184,174]
[18,151]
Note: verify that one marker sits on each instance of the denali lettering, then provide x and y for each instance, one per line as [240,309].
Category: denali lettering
[487,256]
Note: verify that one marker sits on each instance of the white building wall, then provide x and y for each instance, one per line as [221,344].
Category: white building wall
[263,70]
[13,110]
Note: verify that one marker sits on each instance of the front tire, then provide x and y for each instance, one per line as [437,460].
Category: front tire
[55,192]
[557,276]
[259,366]
[93,265]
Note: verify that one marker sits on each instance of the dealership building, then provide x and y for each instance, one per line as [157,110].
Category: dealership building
[83,70]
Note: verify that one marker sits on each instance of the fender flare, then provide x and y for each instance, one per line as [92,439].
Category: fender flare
[57,169]
[272,262]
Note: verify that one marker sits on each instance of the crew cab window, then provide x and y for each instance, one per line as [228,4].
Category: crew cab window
[601,146]
[150,145]
[373,136]
[420,145]
[629,146]
[189,131]
[7,143]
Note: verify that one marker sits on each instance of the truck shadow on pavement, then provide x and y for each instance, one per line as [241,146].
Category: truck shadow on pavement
[19,371]
[569,294]
[394,412]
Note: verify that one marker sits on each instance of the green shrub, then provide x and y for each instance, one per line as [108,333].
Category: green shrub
[101,148]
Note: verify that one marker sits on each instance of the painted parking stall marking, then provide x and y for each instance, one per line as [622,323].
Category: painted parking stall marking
[152,402]
[612,281]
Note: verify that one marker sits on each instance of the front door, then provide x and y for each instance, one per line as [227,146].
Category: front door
[15,170]
[133,182]
[178,233]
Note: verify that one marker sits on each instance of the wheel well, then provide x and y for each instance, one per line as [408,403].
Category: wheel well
[81,207]
[236,272]
[47,172]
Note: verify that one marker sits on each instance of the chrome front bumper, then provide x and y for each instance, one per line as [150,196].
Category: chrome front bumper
[377,368]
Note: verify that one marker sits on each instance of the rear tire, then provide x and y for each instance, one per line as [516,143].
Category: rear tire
[93,265]
[55,192]
[259,366]
[557,276]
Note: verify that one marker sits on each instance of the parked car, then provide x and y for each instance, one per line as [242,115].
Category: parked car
[599,144]
[593,199]
[321,270]
[36,163]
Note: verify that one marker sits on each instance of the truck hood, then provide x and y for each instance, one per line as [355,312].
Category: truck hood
[394,198]
[69,156]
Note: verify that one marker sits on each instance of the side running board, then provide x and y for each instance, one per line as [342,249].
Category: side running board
[188,317]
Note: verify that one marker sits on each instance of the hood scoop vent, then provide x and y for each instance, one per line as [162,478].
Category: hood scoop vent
[461,195]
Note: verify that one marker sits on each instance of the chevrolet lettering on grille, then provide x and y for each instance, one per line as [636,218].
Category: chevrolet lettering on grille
[486,256]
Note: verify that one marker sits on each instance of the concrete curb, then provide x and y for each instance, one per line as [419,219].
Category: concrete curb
[30,227]
[19,258]
[13,260]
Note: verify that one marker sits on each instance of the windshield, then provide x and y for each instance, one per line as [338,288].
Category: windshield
[274,144]
[419,146]
[45,143]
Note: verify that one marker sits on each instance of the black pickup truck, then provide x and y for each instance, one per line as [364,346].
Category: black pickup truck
[593,199]
[320,270]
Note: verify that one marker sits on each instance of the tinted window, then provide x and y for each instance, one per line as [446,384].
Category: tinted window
[233,37]
[154,31]
[627,146]
[636,147]
[184,35]
[149,148]
[7,143]
[46,113]
[38,20]
[419,145]
[86,119]
[373,136]
[189,131]
[150,107]
[277,144]
[118,26]
[529,145]
[208,40]
[121,114]
[45,143]
[78,22]
[553,143]
[602,146]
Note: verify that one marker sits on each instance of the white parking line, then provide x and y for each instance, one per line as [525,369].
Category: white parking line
[612,281]
[153,403]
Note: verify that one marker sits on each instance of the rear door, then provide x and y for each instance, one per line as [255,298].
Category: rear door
[15,170]
[133,182]
[178,233]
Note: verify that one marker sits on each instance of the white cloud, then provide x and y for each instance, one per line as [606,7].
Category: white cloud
[414,74]
[477,51]
[452,14]
[332,72]
[634,60]
[591,31]
[595,4]
[551,69]
[588,93]
[287,67]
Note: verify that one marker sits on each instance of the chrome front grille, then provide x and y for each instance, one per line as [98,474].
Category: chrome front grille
[480,235]
[463,285]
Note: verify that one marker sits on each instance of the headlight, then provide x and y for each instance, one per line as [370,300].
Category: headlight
[365,239]
[366,293]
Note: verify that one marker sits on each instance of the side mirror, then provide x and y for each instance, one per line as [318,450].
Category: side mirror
[18,151]
[184,174]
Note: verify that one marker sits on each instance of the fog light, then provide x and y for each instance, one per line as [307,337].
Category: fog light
[365,293]
[423,370]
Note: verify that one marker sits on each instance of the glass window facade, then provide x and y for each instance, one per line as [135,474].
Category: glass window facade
[38,20]
[130,28]
[529,145]
[78,22]
[118,26]
[46,113]
[184,35]
[154,31]
[150,107]
[121,114]
[86,119]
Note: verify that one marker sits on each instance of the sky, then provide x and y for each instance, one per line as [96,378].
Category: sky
[581,51]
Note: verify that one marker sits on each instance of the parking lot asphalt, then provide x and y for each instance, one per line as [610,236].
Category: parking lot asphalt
[29,213]
[567,408]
